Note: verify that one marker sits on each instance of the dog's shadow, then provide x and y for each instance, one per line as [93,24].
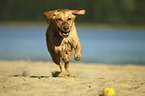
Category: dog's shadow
[60,74]
[55,74]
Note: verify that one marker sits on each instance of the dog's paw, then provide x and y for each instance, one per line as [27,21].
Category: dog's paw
[78,57]
[64,74]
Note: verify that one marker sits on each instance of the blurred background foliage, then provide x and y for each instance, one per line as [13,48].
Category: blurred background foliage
[113,12]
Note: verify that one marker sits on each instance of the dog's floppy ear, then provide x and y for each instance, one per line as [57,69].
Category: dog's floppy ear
[48,15]
[79,12]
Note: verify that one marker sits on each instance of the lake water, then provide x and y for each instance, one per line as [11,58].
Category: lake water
[99,45]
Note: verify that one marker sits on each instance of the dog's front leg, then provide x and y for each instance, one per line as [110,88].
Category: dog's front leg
[77,55]
[58,53]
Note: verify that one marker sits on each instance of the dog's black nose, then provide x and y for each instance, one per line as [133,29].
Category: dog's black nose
[65,28]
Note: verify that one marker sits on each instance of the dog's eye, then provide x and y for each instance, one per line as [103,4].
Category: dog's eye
[59,19]
[68,19]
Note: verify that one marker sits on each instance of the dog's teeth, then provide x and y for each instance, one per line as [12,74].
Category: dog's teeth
[65,33]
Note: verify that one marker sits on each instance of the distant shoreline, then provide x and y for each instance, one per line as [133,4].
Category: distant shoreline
[91,25]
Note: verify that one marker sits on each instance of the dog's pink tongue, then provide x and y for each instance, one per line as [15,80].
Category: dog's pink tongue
[60,33]
[65,34]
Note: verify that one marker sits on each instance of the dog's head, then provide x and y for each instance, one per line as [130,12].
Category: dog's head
[63,19]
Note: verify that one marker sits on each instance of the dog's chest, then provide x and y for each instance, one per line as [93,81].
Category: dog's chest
[66,46]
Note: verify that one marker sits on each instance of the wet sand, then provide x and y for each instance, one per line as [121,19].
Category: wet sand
[29,78]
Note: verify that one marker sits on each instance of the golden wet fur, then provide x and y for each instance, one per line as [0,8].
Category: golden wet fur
[62,38]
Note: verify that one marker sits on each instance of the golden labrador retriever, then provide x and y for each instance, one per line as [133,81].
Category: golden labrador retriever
[62,38]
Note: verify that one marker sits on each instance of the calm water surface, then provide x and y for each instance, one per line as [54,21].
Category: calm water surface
[99,45]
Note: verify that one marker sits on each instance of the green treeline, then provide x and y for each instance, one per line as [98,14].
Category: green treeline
[131,12]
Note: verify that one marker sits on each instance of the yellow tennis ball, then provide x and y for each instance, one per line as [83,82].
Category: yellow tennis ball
[108,91]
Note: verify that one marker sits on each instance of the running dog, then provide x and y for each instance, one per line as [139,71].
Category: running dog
[62,38]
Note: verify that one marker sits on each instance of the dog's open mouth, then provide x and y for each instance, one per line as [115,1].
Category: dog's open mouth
[63,33]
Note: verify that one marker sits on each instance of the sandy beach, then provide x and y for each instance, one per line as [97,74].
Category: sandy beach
[29,78]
